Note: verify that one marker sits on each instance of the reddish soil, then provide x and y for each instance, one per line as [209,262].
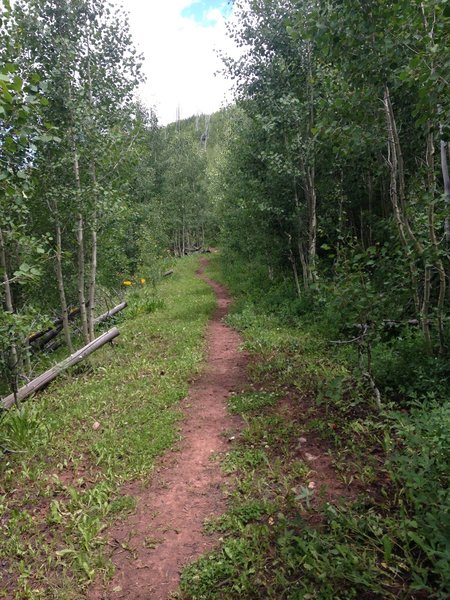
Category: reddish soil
[151,547]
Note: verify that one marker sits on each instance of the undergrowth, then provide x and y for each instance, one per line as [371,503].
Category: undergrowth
[333,498]
[68,451]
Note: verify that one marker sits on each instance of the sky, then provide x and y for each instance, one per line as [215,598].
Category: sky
[178,39]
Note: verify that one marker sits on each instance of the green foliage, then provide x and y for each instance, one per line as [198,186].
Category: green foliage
[421,471]
[306,191]
[406,371]
[144,301]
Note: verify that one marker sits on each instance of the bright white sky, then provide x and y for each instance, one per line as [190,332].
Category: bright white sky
[178,39]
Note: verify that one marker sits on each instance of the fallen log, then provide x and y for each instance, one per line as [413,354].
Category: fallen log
[41,339]
[40,342]
[44,379]
[110,313]
[57,326]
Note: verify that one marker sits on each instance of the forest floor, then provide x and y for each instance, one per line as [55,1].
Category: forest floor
[150,548]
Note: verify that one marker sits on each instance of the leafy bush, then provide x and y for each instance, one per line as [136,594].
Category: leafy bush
[142,302]
[421,470]
[404,369]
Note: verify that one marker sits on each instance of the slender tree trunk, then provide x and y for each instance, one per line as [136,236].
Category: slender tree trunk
[340,230]
[312,233]
[92,281]
[27,356]
[446,179]
[14,357]
[294,266]
[431,181]
[397,166]
[178,243]
[94,220]
[80,249]
[188,241]
[4,266]
[444,146]
[304,264]
[370,198]
[399,217]
[425,320]
[299,237]
[61,290]
[311,175]
[361,228]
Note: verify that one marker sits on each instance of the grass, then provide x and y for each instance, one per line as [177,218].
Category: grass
[95,428]
[332,498]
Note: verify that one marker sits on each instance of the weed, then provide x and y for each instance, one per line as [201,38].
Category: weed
[252,402]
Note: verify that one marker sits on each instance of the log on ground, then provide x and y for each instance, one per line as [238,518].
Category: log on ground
[53,331]
[44,379]
[110,313]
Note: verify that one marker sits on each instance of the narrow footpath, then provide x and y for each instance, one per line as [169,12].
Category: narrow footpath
[165,533]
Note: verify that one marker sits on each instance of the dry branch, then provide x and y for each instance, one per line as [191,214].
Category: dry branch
[42,338]
[44,379]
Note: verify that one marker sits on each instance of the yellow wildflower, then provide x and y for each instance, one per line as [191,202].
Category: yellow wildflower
[142,281]
[127,282]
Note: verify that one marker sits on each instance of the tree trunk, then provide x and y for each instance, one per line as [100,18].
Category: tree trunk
[6,284]
[431,181]
[14,357]
[304,265]
[62,293]
[398,169]
[80,249]
[294,266]
[311,174]
[92,279]
[445,176]
[93,273]
[399,217]
[446,179]
[312,230]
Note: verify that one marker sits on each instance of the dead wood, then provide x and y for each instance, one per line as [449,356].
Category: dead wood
[42,380]
[110,313]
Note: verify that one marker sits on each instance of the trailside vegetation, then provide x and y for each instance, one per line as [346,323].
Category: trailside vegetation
[332,194]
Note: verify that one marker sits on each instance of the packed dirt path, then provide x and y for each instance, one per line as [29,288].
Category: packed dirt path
[152,546]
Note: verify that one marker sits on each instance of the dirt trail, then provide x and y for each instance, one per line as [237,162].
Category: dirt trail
[165,533]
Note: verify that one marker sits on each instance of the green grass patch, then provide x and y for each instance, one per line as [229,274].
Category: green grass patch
[95,428]
[251,402]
